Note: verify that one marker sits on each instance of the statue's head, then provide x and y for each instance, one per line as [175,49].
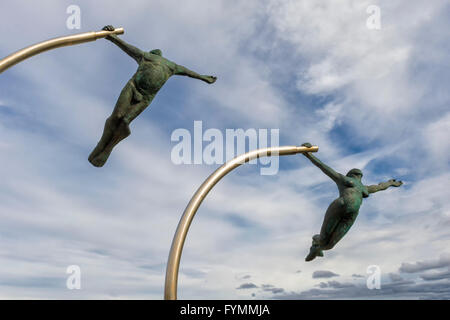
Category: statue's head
[355,173]
[157,52]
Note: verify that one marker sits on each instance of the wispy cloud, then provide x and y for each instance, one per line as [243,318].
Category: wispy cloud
[324,274]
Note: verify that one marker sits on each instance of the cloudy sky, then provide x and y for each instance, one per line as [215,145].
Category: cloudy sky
[372,99]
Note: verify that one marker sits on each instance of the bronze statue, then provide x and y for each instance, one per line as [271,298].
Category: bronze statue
[342,212]
[153,71]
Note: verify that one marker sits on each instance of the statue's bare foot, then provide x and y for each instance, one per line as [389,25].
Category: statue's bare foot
[312,254]
[314,251]
[97,162]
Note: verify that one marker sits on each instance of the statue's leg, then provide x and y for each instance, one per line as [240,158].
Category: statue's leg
[121,130]
[98,156]
[330,222]
[339,232]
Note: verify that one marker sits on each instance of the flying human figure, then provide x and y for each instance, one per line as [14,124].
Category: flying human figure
[342,212]
[153,71]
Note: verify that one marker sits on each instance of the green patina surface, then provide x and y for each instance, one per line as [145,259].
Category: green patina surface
[153,72]
[342,212]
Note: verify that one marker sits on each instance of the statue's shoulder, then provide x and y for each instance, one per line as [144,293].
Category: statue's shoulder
[170,64]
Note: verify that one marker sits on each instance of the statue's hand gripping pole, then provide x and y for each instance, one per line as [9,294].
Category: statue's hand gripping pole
[37,48]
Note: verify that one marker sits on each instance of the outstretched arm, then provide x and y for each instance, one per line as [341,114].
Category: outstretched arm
[183,71]
[384,185]
[335,176]
[132,51]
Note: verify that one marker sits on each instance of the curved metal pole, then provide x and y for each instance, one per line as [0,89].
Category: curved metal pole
[173,265]
[37,48]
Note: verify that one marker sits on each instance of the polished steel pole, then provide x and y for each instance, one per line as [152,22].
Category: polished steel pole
[37,48]
[173,264]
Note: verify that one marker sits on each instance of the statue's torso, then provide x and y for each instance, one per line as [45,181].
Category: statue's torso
[151,75]
[352,191]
